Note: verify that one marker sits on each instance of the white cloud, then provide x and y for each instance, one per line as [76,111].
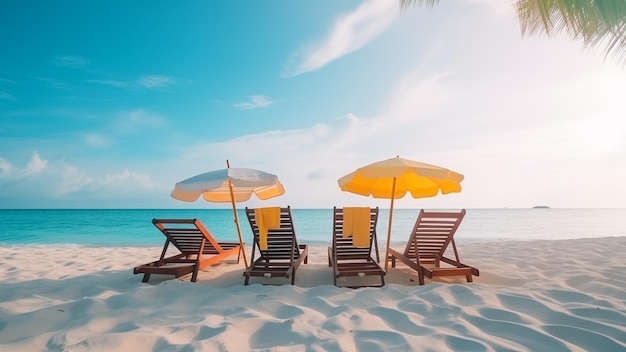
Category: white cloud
[6,168]
[497,7]
[110,82]
[35,165]
[6,96]
[155,81]
[141,117]
[255,102]
[4,92]
[126,180]
[97,140]
[60,180]
[350,117]
[350,32]
[417,95]
[70,61]
[516,141]
[136,121]
[523,120]
[54,82]
[124,123]
[148,81]
[72,180]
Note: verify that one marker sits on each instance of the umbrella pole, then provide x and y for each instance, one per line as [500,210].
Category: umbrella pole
[232,199]
[393,196]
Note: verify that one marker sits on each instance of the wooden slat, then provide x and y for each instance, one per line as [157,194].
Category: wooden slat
[283,254]
[348,260]
[430,238]
[197,246]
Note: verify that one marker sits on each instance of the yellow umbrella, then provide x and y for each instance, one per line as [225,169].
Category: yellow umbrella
[229,185]
[393,178]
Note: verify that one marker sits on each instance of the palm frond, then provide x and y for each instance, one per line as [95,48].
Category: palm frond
[405,4]
[598,23]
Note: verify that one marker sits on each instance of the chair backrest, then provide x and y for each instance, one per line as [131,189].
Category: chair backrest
[188,235]
[432,233]
[343,245]
[282,243]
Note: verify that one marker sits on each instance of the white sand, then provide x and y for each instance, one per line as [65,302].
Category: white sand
[531,296]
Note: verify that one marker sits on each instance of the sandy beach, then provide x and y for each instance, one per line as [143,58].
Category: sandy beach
[566,295]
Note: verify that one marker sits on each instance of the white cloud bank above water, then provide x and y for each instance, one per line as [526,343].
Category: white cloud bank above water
[35,165]
[532,154]
[41,183]
[517,146]
[527,122]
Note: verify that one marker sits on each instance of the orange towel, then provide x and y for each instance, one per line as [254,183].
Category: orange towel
[356,223]
[266,218]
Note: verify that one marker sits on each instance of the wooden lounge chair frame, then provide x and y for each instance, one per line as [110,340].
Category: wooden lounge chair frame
[283,255]
[347,260]
[198,249]
[431,236]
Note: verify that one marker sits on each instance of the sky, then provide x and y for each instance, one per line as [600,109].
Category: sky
[107,104]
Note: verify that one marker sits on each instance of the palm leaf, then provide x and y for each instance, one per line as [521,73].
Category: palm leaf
[598,23]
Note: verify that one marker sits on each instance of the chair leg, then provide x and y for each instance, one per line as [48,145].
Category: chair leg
[469,278]
[194,276]
[146,277]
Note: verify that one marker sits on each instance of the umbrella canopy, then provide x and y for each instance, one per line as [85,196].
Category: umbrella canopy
[394,178]
[215,186]
[229,185]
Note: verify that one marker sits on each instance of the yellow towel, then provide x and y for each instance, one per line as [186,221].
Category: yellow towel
[356,223]
[266,218]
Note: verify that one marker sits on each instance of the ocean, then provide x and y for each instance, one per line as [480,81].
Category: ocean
[133,227]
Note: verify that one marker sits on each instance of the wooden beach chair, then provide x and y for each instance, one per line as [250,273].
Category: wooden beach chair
[432,235]
[198,249]
[275,251]
[348,259]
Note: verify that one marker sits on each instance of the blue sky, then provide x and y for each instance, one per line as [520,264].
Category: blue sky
[109,104]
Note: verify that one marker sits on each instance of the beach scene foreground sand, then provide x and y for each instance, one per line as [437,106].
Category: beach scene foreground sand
[564,295]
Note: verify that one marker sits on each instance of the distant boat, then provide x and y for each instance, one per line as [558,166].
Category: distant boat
[541,207]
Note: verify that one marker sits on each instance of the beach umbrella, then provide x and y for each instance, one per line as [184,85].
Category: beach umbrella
[394,178]
[229,185]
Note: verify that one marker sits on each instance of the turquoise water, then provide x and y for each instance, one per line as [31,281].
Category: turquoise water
[133,227]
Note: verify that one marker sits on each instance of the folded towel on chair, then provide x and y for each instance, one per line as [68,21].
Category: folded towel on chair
[266,218]
[356,223]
